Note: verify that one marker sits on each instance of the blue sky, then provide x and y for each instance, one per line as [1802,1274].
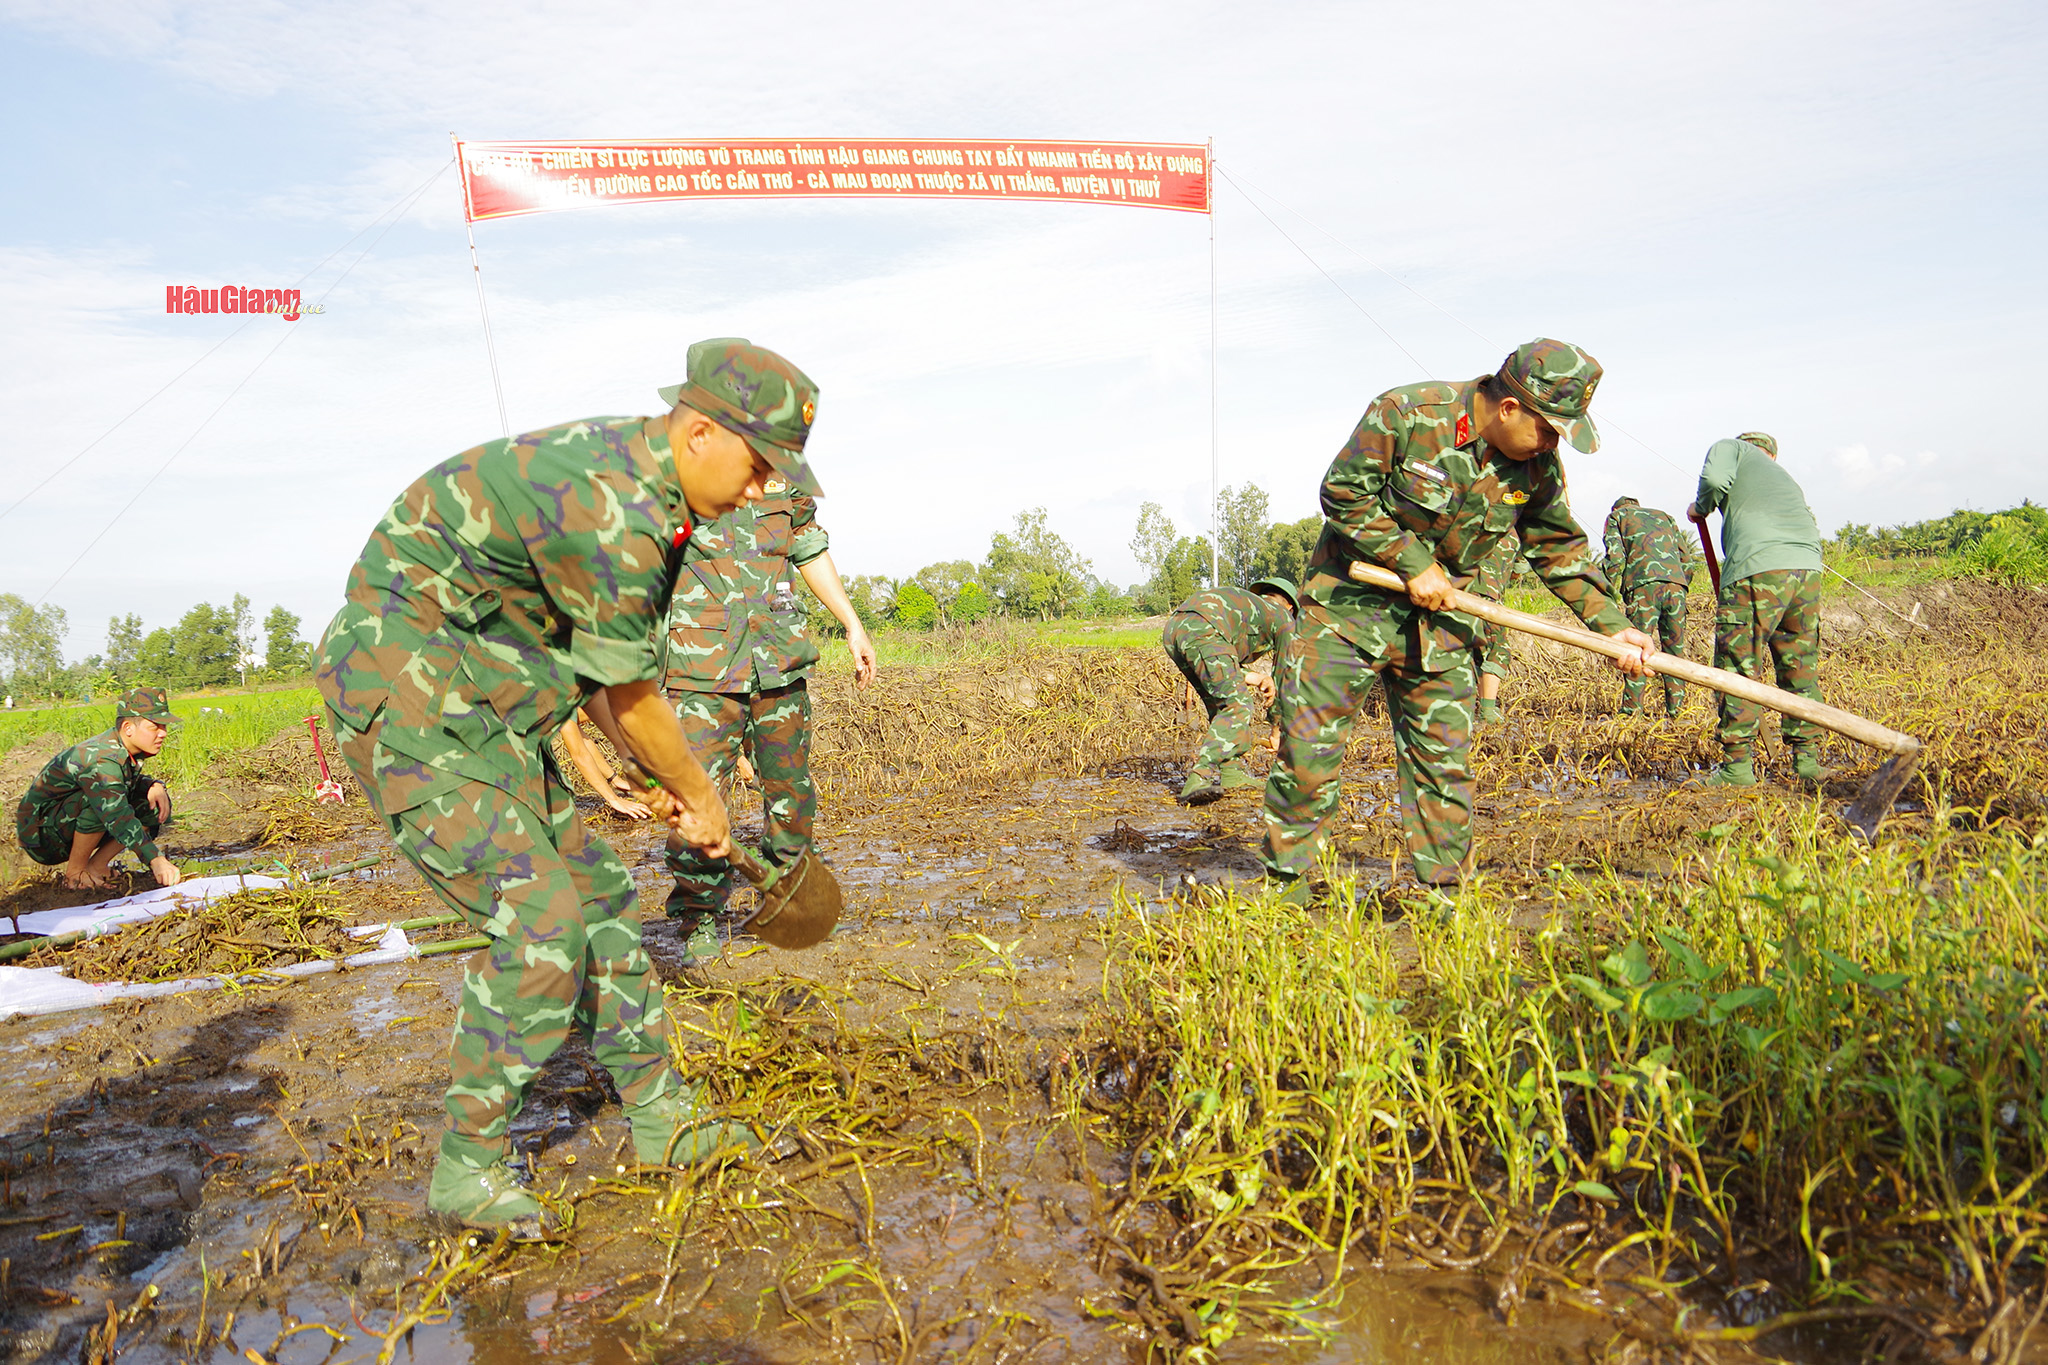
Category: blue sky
[1810,219]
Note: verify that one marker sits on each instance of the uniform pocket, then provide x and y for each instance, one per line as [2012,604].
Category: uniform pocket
[1420,500]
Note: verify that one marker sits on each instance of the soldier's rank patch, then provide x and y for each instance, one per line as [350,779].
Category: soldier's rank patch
[1464,432]
[1514,497]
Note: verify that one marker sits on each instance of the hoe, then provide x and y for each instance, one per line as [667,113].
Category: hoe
[1862,815]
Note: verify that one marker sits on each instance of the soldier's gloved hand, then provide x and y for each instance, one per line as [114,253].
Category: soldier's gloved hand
[1431,589]
[1632,662]
[164,870]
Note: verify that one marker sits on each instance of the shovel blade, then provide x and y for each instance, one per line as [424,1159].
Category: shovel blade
[799,905]
[1874,802]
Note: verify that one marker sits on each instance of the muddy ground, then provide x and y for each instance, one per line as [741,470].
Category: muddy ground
[262,1153]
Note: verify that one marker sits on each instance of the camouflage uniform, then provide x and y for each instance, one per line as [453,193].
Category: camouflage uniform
[95,786]
[1416,486]
[1770,589]
[1495,652]
[736,659]
[1211,638]
[499,593]
[1650,562]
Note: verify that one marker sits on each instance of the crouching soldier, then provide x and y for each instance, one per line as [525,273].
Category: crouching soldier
[1212,639]
[93,800]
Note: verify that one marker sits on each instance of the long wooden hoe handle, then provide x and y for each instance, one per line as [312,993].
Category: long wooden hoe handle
[1707,544]
[1719,679]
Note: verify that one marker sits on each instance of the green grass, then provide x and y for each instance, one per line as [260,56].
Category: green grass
[1801,1058]
[214,727]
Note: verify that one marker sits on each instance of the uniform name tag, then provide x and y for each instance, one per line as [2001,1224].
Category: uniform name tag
[1431,472]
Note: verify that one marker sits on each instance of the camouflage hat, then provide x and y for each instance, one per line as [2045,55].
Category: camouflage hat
[755,394]
[1757,438]
[1280,585]
[1556,379]
[144,703]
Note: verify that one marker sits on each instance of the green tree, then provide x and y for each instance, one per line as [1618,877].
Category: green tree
[944,581]
[971,604]
[244,634]
[915,607]
[1183,573]
[124,641]
[1154,539]
[156,660]
[282,649]
[207,656]
[1106,599]
[1285,548]
[873,598]
[1241,531]
[32,646]
[1035,572]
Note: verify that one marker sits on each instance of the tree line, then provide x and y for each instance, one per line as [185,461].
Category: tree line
[210,646]
[1031,572]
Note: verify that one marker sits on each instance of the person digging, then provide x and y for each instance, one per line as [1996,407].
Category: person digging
[1212,639]
[505,588]
[93,800]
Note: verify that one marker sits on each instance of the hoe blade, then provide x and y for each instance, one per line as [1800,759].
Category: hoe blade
[1874,802]
[799,904]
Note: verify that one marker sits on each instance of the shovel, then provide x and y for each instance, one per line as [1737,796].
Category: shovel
[799,903]
[329,789]
[1707,544]
[1862,815]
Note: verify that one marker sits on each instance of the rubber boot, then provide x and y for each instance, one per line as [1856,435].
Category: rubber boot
[1488,711]
[488,1196]
[1236,776]
[701,945]
[1806,768]
[1739,772]
[679,1129]
[1203,786]
[1296,892]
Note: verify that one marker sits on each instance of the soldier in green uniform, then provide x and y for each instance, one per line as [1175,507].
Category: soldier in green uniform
[1650,562]
[1211,638]
[93,800]
[1493,655]
[1770,597]
[736,666]
[506,587]
[1434,477]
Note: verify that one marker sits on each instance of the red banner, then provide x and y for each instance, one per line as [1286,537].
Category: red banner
[505,179]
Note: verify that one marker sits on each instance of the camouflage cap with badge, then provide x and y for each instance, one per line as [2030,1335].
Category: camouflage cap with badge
[145,703]
[757,395]
[1556,380]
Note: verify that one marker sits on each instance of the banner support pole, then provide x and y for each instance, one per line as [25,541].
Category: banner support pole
[1215,465]
[483,309]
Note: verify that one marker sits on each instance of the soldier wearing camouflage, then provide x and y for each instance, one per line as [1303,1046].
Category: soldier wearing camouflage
[1495,654]
[1211,638]
[1769,608]
[502,590]
[1651,563]
[98,787]
[737,659]
[1421,487]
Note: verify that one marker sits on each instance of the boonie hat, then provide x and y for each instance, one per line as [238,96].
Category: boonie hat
[757,395]
[144,703]
[1556,379]
[1280,585]
[1757,438]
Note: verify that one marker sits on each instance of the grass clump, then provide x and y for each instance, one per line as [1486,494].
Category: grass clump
[1802,1083]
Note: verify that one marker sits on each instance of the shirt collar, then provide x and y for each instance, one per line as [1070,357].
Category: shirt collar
[1467,430]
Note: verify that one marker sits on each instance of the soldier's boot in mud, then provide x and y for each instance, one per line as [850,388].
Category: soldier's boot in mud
[679,1129]
[1487,712]
[1296,892]
[1235,776]
[1203,786]
[488,1196]
[701,946]
[1806,768]
[1739,772]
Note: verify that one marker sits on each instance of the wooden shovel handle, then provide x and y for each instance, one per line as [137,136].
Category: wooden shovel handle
[1719,679]
[1707,546]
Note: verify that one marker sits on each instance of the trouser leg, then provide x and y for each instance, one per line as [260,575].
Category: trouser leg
[779,731]
[1326,679]
[1432,719]
[1741,642]
[1641,609]
[1795,649]
[714,723]
[1672,611]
